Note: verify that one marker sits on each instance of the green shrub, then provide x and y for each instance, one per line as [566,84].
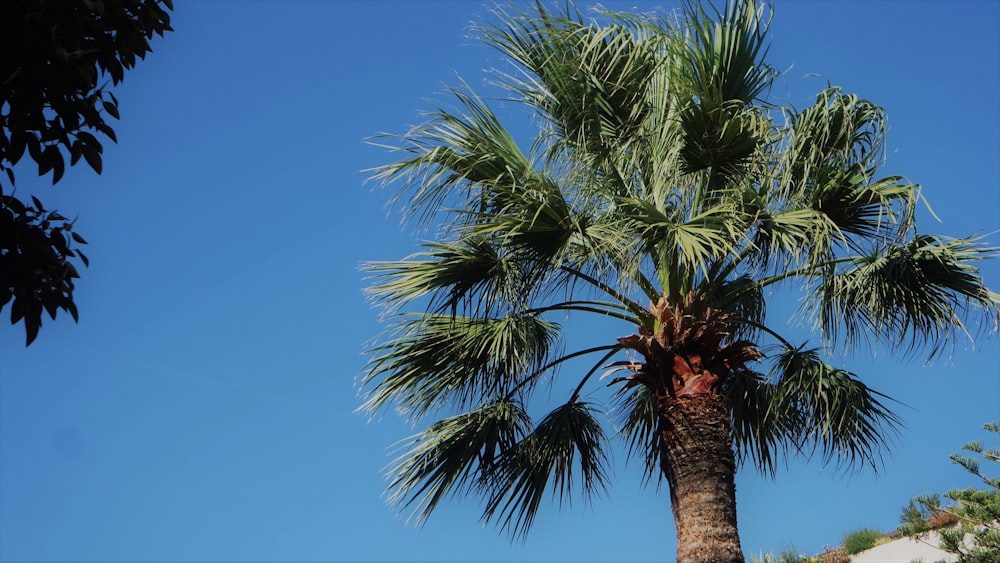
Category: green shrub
[976,538]
[860,540]
[788,555]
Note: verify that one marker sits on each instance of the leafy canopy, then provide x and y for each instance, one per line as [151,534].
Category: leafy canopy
[663,190]
[58,56]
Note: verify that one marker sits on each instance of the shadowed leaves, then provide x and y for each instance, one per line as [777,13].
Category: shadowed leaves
[569,437]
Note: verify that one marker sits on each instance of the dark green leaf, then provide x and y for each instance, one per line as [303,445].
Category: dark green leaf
[18,140]
[17,310]
[112,109]
[31,325]
[93,157]
[51,304]
[59,167]
[107,130]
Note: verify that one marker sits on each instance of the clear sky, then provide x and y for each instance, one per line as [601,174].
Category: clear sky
[202,409]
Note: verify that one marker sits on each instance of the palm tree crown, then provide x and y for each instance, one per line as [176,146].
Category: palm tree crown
[664,191]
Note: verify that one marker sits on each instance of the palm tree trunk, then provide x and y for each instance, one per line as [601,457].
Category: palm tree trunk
[700,467]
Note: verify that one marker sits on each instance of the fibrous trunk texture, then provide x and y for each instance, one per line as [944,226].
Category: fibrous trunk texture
[699,464]
[686,359]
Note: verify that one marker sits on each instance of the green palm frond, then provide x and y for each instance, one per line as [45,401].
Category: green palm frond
[453,159]
[637,423]
[435,360]
[918,292]
[807,406]
[827,167]
[721,138]
[453,456]
[839,128]
[781,238]
[470,272]
[857,206]
[725,52]
[817,407]
[588,81]
[535,222]
[758,435]
[686,246]
[724,74]
[569,438]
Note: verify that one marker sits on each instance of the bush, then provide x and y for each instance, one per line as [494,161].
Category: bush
[788,555]
[925,513]
[942,519]
[976,538]
[834,555]
[860,540]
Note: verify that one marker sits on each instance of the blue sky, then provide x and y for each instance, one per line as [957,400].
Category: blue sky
[202,409]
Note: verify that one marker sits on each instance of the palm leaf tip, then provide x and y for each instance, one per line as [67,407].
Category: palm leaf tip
[827,409]
[727,50]
[638,425]
[567,439]
[758,436]
[920,292]
[470,273]
[453,456]
[431,361]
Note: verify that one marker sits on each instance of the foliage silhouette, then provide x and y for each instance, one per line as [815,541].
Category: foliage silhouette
[57,58]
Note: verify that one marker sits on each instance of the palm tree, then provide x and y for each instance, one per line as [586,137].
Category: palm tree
[665,193]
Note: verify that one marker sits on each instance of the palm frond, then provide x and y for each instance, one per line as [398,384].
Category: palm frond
[588,81]
[725,73]
[725,52]
[454,159]
[470,272]
[429,361]
[828,163]
[919,292]
[454,456]
[818,407]
[862,208]
[691,243]
[534,221]
[838,129]
[637,423]
[569,438]
[758,435]
[720,138]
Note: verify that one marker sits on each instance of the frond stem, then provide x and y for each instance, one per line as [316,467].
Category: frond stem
[632,305]
[612,310]
[804,271]
[593,370]
[763,328]
[721,272]
[612,348]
